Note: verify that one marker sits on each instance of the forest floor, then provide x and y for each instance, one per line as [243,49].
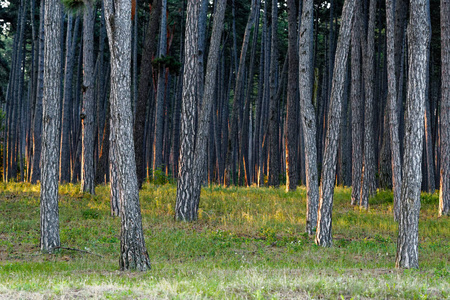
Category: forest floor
[249,243]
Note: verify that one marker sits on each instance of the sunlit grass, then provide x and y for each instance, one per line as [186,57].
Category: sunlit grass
[248,243]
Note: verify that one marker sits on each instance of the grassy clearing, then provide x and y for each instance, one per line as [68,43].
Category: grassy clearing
[248,244]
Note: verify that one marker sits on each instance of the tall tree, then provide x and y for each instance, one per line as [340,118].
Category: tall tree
[357,101]
[444,192]
[185,210]
[392,106]
[306,46]
[419,34]
[274,153]
[51,127]
[207,103]
[161,92]
[133,253]
[144,87]
[87,113]
[368,186]
[292,98]
[323,233]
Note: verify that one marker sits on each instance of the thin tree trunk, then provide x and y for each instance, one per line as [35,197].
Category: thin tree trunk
[444,191]
[159,120]
[292,98]
[368,185]
[144,88]
[308,117]
[323,233]
[393,105]
[274,154]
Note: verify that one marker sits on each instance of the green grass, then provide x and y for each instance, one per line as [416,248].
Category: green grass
[249,243]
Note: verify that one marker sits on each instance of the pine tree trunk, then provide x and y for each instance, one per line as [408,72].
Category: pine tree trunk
[51,128]
[274,154]
[444,192]
[37,119]
[143,89]
[308,114]
[185,210]
[393,105]
[205,112]
[87,113]
[133,253]
[292,99]
[71,41]
[368,185]
[323,233]
[160,96]
[418,42]
[357,100]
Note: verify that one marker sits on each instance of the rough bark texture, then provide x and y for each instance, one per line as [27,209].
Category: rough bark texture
[368,186]
[292,99]
[418,40]
[208,98]
[444,193]
[87,112]
[323,233]
[51,128]
[392,106]
[185,210]
[308,115]
[357,101]
[133,254]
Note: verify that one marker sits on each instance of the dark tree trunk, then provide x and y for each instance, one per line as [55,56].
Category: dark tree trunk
[292,99]
[88,109]
[274,154]
[444,191]
[143,89]
[368,185]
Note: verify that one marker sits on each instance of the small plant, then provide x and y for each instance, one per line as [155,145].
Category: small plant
[90,214]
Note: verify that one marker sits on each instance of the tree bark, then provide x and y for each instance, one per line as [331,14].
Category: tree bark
[368,185]
[418,41]
[274,154]
[51,128]
[133,253]
[87,113]
[160,96]
[292,99]
[444,192]
[323,233]
[185,210]
[308,114]
[392,106]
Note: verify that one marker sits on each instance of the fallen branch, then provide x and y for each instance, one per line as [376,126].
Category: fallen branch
[79,250]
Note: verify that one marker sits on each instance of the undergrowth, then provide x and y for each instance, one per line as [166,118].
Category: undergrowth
[249,243]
